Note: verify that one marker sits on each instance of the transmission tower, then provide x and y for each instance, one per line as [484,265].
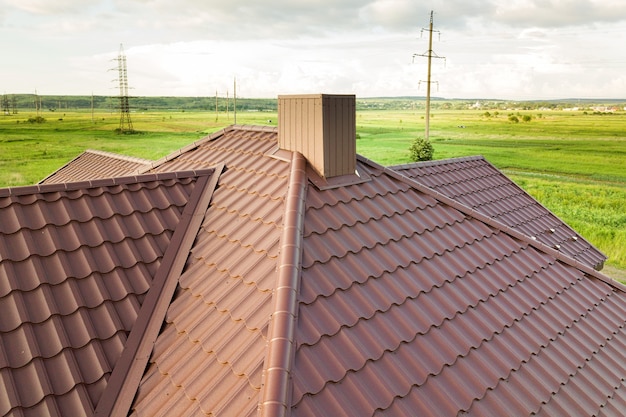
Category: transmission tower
[430,54]
[126,125]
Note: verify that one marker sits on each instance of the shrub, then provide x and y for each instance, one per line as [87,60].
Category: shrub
[421,150]
[37,119]
[513,118]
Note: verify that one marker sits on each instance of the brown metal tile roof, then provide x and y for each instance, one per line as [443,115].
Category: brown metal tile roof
[478,184]
[93,164]
[209,357]
[77,263]
[381,297]
[412,304]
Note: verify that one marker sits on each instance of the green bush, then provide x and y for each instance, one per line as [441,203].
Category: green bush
[421,150]
[37,119]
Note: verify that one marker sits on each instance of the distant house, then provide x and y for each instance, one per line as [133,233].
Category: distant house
[275,272]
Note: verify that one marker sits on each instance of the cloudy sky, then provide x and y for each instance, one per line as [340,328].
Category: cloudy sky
[509,49]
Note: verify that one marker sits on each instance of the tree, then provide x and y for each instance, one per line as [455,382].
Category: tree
[513,118]
[421,150]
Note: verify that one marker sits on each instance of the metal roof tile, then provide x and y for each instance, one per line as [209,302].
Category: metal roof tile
[68,304]
[479,185]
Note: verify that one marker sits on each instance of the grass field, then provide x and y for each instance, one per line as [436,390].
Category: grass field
[572,162]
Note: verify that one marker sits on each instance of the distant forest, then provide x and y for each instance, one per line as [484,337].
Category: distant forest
[12,103]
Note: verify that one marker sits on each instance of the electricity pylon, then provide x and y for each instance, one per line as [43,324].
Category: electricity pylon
[126,125]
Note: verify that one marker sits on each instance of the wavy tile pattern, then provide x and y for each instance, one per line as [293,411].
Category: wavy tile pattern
[410,307]
[209,357]
[409,303]
[475,182]
[75,266]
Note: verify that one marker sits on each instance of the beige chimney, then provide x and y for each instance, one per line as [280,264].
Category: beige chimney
[322,127]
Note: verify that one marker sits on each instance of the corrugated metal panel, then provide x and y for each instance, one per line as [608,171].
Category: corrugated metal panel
[323,128]
[476,183]
[75,266]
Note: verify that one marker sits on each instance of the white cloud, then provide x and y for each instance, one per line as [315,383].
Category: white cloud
[46,7]
[498,48]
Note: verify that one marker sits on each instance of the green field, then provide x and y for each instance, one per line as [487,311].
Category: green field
[572,162]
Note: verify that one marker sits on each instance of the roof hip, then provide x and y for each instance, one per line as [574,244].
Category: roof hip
[276,392]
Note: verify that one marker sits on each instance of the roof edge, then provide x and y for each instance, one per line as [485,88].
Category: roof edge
[106,182]
[437,162]
[276,394]
[118,396]
[496,224]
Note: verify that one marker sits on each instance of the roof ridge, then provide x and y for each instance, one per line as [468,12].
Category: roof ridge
[122,157]
[281,346]
[106,182]
[495,223]
[437,162]
[211,137]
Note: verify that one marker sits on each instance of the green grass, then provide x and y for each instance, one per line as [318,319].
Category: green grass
[31,151]
[573,163]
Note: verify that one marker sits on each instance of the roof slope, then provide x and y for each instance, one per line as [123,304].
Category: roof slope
[76,264]
[407,303]
[411,304]
[478,184]
[209,357]
[93,164]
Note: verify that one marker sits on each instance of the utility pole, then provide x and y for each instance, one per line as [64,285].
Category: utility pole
[235,100]
[430,54]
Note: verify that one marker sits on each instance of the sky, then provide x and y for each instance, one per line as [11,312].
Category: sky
[487,49]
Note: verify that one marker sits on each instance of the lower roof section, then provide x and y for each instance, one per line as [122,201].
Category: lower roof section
[77,263]
[476,183]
